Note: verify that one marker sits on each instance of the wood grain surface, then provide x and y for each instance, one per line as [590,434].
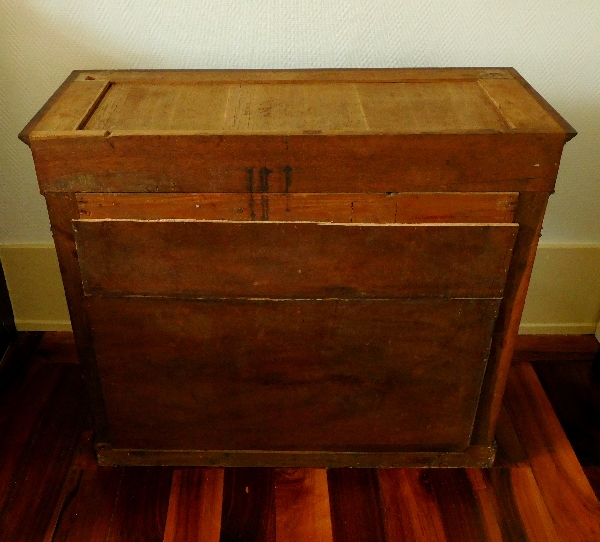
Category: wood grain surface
[430,207]
[292,260]
[332,375]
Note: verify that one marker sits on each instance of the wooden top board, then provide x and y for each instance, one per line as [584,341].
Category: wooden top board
[296,102]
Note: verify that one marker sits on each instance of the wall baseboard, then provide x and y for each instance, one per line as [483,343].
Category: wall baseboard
[563,297]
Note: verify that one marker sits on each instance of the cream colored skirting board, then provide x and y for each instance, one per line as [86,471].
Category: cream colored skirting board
[563,298]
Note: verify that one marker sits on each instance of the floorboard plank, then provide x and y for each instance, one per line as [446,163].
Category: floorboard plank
[141,506]
[411,511]
[355,502]
[56,347]
[41,470]
[87,504]
[463,516]
[510,453]
[195,506]
[248,513]
[559,476]
[520,507]
[302,506]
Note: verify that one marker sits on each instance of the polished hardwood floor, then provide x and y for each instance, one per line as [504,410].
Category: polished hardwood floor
[540,489]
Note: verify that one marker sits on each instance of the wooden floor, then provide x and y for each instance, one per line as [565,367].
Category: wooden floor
[51,488]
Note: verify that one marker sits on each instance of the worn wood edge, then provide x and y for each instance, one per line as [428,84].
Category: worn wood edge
[569,130]
[529,215]
[555,348]
[340,75]
[474,456]
[25,133]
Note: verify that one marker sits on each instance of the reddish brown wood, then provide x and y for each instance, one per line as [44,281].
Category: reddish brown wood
[302,505]
[555,348]
[87,503]
[566,491]
[248,505]
[45,462]
[195,506]
[434,207]
[411,511]
[145,163]
[57,347]
[356,508]
[292,260]
[141,507]
[529,216]
[199,384]
[510,452]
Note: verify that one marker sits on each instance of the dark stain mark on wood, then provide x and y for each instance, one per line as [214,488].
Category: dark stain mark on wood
[287,170]
[250,173]
[264,187]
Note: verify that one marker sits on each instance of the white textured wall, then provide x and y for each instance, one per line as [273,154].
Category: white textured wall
[555,44]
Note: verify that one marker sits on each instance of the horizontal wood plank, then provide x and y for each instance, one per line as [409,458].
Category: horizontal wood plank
[292,260]
[192,162]
[431,207]
[292,375]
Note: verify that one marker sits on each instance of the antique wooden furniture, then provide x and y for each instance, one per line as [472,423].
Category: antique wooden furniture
[319,268]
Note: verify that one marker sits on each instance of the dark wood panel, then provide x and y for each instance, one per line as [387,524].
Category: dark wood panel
[292,260]
[8,331]
[356,163]
[431,207]
[248,505]
[371,375]
[356,508]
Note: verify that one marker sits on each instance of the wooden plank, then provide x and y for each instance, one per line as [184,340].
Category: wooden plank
[248,505]
[75,104]
[518,107]
[141,507]
[464,516]
[147,162]
[432,107]
[529,216]
[356,511]
[195,506]
[21,407]
[87,503]
[292,260]
[302,505]
[410,511]
[292,375]
[430,207]
[278,76]
[593,476]
[566,491]
[519,505]
[42,468]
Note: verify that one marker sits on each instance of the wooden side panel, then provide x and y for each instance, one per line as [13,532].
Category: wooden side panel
[431,207]
[529,216]
[185,162]
[292,375]
[292,260]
